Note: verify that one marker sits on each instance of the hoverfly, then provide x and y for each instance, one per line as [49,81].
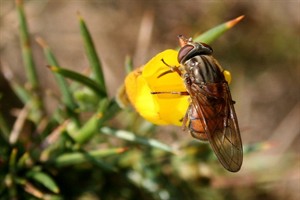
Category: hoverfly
[210,116]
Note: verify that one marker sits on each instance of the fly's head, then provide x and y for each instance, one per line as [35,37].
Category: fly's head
[190,49]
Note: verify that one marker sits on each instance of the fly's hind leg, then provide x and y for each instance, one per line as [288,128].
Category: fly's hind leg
[185,119]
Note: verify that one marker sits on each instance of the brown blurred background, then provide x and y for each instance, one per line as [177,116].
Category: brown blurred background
[262,53]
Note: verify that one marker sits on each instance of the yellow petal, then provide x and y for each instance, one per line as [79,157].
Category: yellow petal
[171,106]
[131,84]
[146,105]
[165,108]
[139,94]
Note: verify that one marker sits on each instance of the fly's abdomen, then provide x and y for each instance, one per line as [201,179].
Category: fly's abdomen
[211,113]
[195,125]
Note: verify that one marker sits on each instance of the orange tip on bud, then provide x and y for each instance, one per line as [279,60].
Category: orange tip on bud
[233,22]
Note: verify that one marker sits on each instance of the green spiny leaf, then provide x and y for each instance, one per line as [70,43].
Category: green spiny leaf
[79,78]
[214,33]
[26,47]
[67,97]
[91,53]
[44,179]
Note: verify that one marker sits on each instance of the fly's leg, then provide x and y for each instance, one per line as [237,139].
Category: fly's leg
[172,69]
[185,119]
[184,93]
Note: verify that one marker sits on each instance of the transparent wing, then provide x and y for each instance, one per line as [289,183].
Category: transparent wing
[219,120]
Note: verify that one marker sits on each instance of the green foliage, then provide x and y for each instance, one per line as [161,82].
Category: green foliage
[71,156]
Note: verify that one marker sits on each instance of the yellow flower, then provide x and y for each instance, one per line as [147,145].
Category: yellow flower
[161,109]
[164,108]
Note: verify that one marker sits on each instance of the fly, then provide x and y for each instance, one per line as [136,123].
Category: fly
[211,115]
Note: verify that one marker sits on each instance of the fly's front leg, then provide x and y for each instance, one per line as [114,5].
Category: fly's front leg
[172,69]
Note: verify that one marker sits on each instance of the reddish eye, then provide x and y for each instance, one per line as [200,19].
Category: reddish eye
[184,51]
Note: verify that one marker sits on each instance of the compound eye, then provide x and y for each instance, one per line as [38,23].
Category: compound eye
[184,51]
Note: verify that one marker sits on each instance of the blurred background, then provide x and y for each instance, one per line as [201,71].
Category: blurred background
[261,52]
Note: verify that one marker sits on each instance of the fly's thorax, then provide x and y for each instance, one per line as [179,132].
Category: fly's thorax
[204,69]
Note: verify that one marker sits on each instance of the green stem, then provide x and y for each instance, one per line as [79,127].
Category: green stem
[81,157]
[129,136]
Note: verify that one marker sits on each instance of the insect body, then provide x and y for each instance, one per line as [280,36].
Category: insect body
[211,116]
